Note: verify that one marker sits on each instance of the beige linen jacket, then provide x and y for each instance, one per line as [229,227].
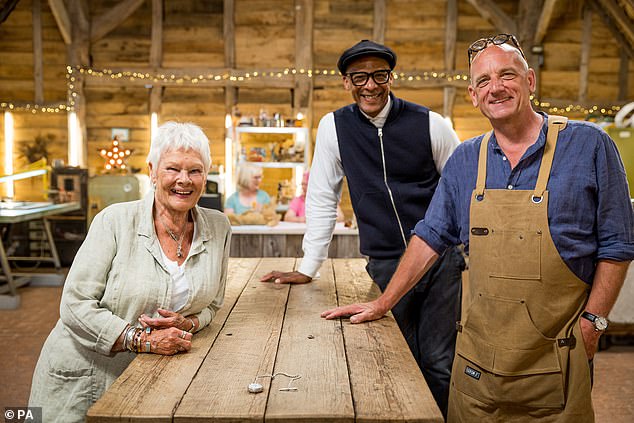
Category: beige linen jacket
[117,275]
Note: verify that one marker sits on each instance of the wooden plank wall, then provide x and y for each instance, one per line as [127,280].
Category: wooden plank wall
[193,39]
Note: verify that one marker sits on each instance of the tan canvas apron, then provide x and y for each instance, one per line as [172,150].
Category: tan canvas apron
[519,354]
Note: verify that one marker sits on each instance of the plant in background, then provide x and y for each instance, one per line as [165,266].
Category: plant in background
[38,149]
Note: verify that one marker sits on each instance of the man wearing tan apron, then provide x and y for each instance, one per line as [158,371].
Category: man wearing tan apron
[542,206]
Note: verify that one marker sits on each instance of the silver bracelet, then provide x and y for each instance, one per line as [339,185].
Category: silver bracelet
[128,337]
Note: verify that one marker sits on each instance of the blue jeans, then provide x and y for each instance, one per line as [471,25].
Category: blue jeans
[427,317]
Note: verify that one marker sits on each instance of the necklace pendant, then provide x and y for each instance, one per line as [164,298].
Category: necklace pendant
[179,251]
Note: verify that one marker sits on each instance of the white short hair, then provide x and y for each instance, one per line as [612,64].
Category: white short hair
[174,136]
[246,172]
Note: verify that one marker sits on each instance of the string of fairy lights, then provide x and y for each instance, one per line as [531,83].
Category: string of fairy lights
[73,73]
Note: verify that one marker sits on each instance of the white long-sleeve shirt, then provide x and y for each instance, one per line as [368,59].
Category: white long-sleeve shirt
[326,180]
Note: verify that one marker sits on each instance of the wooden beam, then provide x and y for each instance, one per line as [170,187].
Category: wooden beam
[492,12]
[37,51]
[544,21]
[61,17]
[102,25]
[229,35]
[586,41]
[380,16]
[156,98]
[607,21]
[156,49]
[303,90]
[6,9]
[623,76]
[623,22]
[285,81]
[451,33]
[79,55]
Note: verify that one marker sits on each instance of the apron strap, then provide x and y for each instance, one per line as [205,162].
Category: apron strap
[482,166]
[555,124]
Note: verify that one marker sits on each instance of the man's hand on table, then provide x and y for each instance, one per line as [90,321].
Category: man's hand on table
[358,313]
[285,277]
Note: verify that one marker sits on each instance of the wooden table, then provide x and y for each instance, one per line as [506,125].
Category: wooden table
[349,373]
[285,240]
[24,211]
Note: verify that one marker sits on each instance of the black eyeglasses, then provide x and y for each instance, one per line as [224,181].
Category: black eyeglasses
[359,79]
[499,39]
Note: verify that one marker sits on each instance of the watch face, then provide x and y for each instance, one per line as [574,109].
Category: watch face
[601,323]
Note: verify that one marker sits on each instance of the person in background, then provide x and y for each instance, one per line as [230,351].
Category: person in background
[542,205]
[297,207]
[149,274]
[249,196]
[392,153]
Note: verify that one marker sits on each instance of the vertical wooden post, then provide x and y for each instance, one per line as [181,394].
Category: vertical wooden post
[303,98]
[37,52]
[586,40]
[156,54]
[78,54]
[229,34]
[623,76]
[378,30]
[451,33]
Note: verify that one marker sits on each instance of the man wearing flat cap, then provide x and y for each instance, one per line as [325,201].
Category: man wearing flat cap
[392,153]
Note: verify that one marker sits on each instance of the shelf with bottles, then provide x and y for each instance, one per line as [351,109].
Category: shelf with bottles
[277,147]
[284,152]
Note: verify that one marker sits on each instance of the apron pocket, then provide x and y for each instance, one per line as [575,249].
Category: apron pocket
[521,256]
[503,358]
[541,390]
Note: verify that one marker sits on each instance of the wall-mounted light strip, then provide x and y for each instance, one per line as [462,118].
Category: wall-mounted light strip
[229,188]
[75,145]
[22,175]
[153,126]
[8,151]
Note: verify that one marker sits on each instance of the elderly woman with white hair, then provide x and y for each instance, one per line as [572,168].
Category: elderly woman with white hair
[149,275]
[249,196]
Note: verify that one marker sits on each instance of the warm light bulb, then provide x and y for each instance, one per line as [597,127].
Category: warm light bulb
[103,152]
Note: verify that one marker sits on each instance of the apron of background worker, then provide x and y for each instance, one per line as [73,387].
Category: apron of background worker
[520,354]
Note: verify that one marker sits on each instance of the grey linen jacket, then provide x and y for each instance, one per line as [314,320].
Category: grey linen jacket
[117,275]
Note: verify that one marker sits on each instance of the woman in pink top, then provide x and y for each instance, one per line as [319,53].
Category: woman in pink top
[297,208]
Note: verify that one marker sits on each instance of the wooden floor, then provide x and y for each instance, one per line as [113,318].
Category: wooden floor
[23,332]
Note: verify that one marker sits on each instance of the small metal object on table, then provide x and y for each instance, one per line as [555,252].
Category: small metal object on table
[339,371]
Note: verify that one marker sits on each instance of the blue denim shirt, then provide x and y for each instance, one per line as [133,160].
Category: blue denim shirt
[589,209]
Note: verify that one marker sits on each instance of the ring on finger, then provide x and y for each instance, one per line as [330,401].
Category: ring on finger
[183,334]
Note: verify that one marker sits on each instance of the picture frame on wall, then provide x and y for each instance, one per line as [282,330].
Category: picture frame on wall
[121,134]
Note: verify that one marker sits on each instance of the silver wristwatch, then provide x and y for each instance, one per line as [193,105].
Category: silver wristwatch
[600,323]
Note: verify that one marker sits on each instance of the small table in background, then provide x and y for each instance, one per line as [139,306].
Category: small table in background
[348,373]
[17,212]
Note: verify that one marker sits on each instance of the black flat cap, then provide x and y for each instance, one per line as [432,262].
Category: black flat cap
[366,48]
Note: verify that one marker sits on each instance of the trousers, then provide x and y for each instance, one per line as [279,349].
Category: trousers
[427,317]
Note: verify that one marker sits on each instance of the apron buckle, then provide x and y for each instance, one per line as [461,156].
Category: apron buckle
[480,231]
[567,342]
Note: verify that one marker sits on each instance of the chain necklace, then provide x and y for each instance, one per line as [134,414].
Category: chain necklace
[177,239]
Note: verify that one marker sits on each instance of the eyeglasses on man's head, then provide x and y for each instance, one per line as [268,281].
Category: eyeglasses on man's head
[497,40]
[359,79]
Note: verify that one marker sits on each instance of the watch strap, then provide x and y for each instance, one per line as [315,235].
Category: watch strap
[589,316]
